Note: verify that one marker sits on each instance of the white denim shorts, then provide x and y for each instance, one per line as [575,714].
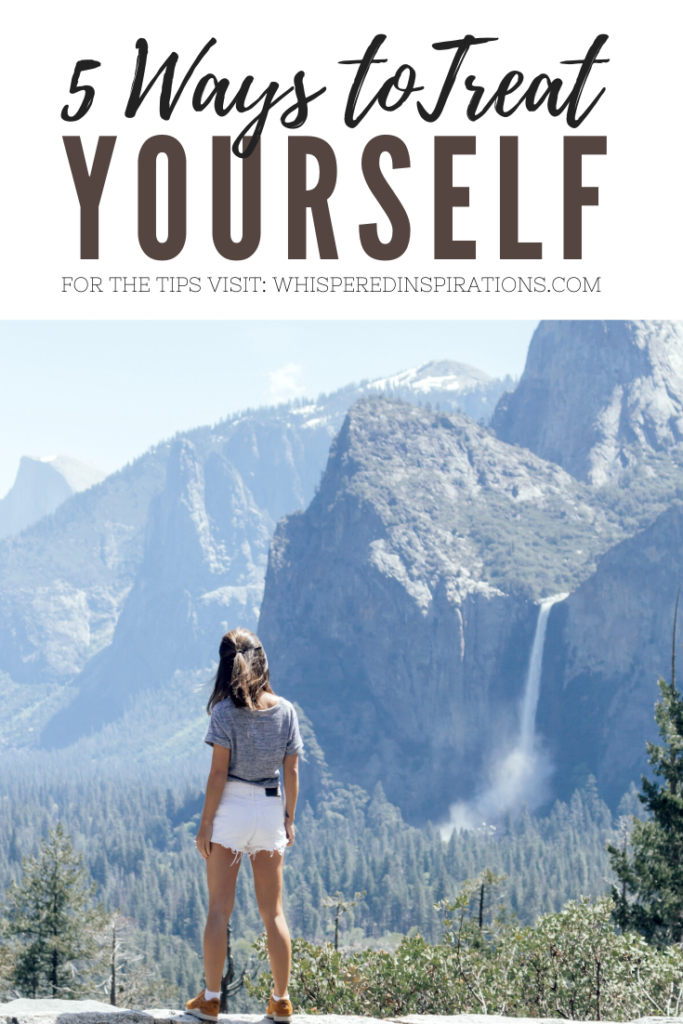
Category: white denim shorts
[248,821]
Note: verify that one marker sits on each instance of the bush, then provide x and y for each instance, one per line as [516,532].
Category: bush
[569,965]
[574,965]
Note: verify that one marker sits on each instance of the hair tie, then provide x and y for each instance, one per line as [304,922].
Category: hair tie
[244,650]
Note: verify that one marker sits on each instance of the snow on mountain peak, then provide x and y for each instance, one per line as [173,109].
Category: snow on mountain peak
[437,375]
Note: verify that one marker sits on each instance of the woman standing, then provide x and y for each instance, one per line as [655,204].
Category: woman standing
[253,733]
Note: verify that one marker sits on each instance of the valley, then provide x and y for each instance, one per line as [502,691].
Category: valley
[391,542]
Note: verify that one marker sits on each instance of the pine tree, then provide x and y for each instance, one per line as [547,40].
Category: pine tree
[50,914]
[649,894]
[8,959]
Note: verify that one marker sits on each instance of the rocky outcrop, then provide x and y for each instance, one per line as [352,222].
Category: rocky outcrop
[605,647]
[597,396]
[202,569]
[41,486]
[162,1016]
[88,1011]
[399,607]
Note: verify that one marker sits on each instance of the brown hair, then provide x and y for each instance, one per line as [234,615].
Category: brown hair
[242,670]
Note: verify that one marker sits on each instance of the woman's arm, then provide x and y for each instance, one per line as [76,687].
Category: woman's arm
[215,785]
[290,774]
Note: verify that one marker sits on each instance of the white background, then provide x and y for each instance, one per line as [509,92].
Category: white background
[631,239]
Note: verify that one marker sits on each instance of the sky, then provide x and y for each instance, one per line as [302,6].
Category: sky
[105,391]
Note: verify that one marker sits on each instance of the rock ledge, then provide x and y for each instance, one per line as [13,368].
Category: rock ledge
[89,1011]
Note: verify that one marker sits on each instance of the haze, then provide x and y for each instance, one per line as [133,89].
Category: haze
[104,391]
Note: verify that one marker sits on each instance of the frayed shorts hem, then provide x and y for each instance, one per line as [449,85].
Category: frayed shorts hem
[249,851]
[248,821]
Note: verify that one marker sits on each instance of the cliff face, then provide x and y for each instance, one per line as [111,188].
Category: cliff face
[124,584]
[40,487]
[63,583]
[606,646]
[202,571]
[400,606]
[597,396]
[136,579]
[399,609]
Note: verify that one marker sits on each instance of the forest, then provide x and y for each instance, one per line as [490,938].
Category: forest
[573,914]
[136,839]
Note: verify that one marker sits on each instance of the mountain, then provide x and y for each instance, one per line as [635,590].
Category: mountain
[604,399]
[136,578]
[605,647]
[410,675]
[399,607]
[402,586]
[63,583]
[41,485]
[598,396]
[196,533]
[455,387]
[203,563]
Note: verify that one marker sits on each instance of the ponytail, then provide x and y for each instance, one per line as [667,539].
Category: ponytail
[243,673]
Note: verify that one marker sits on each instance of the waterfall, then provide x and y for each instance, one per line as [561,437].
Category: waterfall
[532,688]
[520,776]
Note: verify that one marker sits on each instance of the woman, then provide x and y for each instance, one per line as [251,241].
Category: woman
[253,733]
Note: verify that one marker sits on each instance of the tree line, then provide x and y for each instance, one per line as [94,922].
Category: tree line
[137,845]
[63,841]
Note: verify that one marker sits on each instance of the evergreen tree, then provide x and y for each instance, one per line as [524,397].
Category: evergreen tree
[8,959]
[649,894]
[52,917]
[150,870]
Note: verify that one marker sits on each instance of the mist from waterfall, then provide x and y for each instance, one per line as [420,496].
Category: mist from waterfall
[522,775]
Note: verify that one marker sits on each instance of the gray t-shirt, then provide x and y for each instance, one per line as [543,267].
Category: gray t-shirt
[258,739]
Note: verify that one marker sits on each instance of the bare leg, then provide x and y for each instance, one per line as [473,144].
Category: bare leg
[221,875]
[268,886]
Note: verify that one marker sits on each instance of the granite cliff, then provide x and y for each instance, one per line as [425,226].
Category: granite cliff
[408,582]
[202,556]
[202,567]
[598,396]
[40,487]
[131,581]
[399,607]
[606,646]
[402,587]
[104,595]
[63,583]
[604,399]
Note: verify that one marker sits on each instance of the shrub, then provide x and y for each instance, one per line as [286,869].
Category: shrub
[572,965]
